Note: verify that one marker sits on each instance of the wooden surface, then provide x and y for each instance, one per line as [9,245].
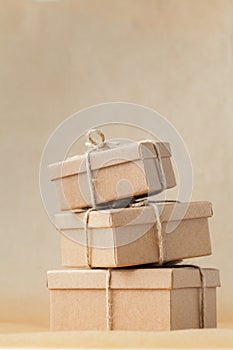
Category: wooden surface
[34,336]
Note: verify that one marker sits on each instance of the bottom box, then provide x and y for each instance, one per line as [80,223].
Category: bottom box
[145,299]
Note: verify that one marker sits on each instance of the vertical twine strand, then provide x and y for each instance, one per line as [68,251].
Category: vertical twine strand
[101,144]
[162,177]
[108,301]
[95,140]
[202,295]
[159,233]
[203,298]
[86,231]
[91,181]
[159,236]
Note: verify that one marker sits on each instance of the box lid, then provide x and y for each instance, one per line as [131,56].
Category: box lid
[143,278]
[124,153]
[134,216]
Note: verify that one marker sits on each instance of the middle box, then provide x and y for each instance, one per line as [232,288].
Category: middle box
[133,236]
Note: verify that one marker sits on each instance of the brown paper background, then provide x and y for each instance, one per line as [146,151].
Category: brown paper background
[60,56]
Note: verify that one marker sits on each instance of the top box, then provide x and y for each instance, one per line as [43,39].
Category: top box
[113,176]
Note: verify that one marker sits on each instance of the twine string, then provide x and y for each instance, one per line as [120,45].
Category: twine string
[90,180]
[96,142]
[87,238]
[158,224]
[86,232]
[162,177]
[95,133]
[94,146]
[202,298]
[108,300]
[173,264]
[101,144]
[159,233]
[159,236]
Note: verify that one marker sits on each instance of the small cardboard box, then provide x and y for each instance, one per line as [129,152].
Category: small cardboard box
[132,299]
[130,236]
[130,170]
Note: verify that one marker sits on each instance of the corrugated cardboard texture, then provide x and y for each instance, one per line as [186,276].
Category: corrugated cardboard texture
[78,299]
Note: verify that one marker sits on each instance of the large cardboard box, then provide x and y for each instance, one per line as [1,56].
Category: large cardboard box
[132,299]
[132,236]
[130,170]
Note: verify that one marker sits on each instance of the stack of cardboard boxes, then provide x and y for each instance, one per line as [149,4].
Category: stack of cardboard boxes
[120,251]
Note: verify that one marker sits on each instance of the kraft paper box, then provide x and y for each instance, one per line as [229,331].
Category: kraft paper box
[132,299]
[129,236]
[130,170]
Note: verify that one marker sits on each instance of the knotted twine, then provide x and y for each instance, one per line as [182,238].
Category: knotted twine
[95,146]
[173,264]
[96,142]
[158,231]
[108,274]
[100,144]
[103,145]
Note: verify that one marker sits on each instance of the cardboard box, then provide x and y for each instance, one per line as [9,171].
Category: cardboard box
[132,299]
[130,236]
[130,170]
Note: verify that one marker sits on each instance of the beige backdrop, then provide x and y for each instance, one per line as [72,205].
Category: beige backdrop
[57,57]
